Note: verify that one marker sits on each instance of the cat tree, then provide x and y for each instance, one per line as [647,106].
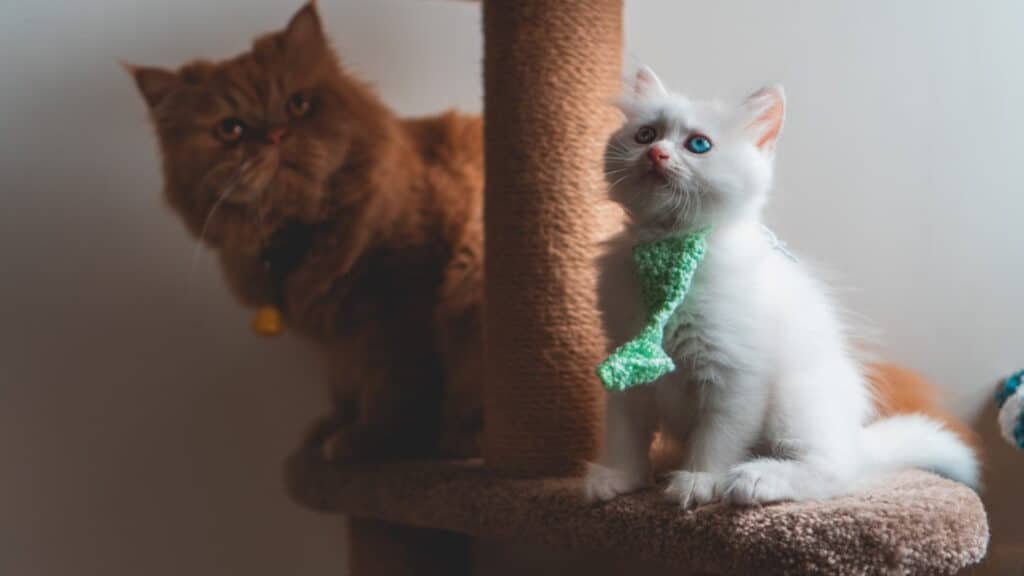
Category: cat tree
[551,67]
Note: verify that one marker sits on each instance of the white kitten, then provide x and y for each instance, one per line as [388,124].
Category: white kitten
[767,399]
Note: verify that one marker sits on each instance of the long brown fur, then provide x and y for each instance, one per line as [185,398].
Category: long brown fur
[363,228]
[898,390]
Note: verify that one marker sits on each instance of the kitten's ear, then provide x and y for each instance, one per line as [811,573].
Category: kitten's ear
[647,83]
[305,33]
[765,111]
[154,83]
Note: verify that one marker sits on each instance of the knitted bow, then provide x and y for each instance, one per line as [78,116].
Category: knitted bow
[665,269]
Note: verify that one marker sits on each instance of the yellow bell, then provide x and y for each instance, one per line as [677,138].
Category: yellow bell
[267,321]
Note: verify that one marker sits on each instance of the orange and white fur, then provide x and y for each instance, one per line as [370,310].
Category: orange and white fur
[768,402]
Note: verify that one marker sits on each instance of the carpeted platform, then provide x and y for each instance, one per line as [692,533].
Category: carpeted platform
[913,522]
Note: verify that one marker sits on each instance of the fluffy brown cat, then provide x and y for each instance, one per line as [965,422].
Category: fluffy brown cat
[362,228]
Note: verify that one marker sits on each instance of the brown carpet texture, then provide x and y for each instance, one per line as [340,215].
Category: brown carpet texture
[911,523]
[551,68]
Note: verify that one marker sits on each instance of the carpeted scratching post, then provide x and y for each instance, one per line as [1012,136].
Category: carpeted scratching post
[551,68]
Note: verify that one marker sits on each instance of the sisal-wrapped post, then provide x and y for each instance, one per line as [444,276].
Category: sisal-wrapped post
[551,68]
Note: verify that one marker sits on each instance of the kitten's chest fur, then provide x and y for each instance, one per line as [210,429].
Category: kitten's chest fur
[720,326]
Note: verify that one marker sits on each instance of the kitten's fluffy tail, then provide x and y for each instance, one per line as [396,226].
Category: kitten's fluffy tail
[918,441]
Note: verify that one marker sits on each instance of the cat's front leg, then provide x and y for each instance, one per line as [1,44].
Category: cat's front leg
[629,429]
[727,425]
[308,466]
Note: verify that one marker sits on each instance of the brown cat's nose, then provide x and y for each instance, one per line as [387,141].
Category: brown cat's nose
[275,135]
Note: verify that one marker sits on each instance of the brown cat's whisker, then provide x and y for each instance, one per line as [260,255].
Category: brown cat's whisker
[202,232]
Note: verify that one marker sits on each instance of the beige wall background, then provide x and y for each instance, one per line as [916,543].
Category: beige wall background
[142,425]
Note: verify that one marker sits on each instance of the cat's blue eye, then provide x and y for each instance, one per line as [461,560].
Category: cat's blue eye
[698,144]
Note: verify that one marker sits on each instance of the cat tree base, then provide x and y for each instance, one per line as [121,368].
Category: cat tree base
[913,522]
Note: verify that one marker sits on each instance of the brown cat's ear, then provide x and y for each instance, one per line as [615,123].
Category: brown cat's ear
[304,33]
[154,83]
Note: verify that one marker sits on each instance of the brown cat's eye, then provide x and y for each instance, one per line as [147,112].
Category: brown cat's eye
[230,130]
[298,105]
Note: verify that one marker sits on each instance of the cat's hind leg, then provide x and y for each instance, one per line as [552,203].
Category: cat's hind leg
[812,430]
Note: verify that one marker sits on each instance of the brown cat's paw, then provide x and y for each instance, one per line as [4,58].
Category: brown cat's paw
[310,471]
[307,471]
[334,438]
[307,479]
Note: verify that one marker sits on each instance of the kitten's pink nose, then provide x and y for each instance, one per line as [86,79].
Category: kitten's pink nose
[658,156]
[275,135]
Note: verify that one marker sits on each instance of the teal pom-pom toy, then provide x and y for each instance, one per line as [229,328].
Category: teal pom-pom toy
[1010,398]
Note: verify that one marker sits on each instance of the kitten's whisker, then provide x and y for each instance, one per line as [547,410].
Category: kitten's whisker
[681,202]
[618,151]
[620,160]
[610,173]
[617,182]
[699,202]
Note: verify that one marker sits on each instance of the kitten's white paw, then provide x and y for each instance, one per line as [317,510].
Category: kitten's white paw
[755,483]
[603,483]
[692,489]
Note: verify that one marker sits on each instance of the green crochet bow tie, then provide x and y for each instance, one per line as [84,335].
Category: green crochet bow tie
[665,269]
